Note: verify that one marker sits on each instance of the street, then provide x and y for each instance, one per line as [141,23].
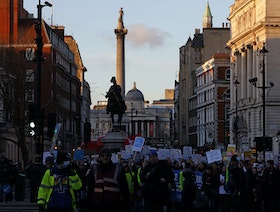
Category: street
[24,206]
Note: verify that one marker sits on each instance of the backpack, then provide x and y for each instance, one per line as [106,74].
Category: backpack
[61,197]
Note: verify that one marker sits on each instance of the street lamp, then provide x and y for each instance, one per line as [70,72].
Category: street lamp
[39,59]
[131,118]
[236,121]
[253,81]
[225,98]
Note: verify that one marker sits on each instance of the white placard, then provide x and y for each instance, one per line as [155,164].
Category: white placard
[163,154]
[187,150]
[138,144]
[146,149]
[214,156]
[128,150]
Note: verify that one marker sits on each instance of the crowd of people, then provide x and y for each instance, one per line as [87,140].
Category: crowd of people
[154,185]
[162,185]
[9,177]
[159,185]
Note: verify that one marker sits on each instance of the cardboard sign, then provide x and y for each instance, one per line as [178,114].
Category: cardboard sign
[138,144]
[214,156]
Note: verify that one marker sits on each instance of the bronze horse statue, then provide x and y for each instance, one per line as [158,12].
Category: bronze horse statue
[116,104]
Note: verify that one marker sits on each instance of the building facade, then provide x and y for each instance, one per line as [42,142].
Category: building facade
[254,29]
[153,122]
[192,55]
[211,94]
[64,91]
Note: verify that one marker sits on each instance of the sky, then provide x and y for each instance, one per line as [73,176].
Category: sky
[156,31]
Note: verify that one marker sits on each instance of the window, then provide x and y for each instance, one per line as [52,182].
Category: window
[30,75]
[30,95]
[227,74]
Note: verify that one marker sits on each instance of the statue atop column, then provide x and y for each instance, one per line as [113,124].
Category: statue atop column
[120,21]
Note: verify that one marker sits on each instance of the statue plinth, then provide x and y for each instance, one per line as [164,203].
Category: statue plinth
[114,140]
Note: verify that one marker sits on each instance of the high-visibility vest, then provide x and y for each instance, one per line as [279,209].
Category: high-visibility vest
[46,188]
[106,188]
[130,181]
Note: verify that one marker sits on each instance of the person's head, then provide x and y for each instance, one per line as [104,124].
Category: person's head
[260,168]
[234,161]
[49,161]
[126,167]
[122,161]
[270,164]
[175,164]
[63,159]
[105,155]
[153,156]
[113,80]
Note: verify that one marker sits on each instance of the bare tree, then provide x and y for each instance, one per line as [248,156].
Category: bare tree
[13,89]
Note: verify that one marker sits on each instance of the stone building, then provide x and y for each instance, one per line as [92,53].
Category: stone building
[193,54]
[208,107]
[255,29]
[152,121]
[64,92]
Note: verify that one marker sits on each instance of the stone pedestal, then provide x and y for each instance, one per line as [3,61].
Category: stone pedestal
[114,140]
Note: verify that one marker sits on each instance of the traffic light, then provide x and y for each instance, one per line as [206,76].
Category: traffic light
[33,120]
[87,132]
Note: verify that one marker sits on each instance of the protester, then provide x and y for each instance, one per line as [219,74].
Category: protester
[7,179]
[247,186]
[224,196]
[189,188]
[35,173]
[82,167]
[259,187]
[210,186]
[234,182]
[56,192]
[140,200]
[132,188]
[176,196]
[107,185]
[271,180]
[158,180]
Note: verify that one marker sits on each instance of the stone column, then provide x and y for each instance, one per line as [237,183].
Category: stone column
[120,57]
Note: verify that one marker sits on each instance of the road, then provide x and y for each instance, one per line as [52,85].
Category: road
[23,206]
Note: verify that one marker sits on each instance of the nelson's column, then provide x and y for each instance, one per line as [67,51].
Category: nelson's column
[120,66]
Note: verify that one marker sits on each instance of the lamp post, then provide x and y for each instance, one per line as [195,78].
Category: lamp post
[131,118]
[236,124]
[253,81]
[263,51]
[225,98]
[39,59]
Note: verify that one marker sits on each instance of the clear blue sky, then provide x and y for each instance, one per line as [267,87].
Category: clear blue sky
[156,31]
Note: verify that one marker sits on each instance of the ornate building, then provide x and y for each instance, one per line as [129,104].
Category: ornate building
[254,44]
[208,107]
[148,120]
[64,96]
[193,54]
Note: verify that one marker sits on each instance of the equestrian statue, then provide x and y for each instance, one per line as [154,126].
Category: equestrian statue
[116,104]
